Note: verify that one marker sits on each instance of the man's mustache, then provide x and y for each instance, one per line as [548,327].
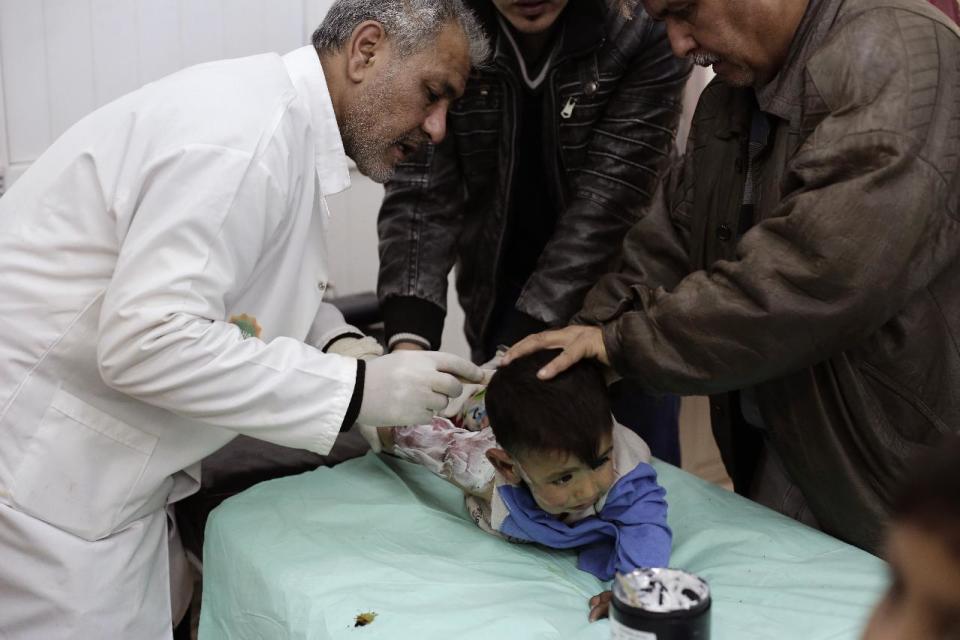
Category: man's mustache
[703,58]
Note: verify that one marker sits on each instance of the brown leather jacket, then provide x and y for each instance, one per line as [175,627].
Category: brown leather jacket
[837,307]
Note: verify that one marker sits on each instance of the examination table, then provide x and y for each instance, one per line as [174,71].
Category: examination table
[301,557]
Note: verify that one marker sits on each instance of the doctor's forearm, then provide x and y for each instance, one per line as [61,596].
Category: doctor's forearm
[283,391]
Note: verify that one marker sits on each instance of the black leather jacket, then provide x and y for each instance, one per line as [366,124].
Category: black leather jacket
[613,96]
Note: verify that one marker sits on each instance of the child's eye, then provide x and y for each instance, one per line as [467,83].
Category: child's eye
[602,461]
[564,480]
[432,96]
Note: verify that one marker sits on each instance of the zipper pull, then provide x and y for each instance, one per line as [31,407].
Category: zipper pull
[568,108]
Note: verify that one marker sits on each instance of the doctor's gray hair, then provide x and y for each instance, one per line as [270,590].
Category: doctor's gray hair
[410,24]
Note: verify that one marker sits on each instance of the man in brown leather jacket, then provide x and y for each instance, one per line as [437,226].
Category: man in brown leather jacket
[803,264]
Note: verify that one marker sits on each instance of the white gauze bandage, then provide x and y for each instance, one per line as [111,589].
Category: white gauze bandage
[456,455]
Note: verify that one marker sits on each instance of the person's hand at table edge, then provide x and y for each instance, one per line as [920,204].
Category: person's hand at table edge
[600,605]
[577,341]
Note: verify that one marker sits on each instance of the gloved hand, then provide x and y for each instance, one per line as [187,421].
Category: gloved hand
[363,348]
[371,435]
[457,404]
[410,387]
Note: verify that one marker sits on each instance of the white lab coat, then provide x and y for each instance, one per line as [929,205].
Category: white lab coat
[125,252]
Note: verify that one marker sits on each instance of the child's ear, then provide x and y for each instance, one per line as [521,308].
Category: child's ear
[503,463]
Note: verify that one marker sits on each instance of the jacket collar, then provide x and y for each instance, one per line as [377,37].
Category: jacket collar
[782,96]
[584,23]
[306,74]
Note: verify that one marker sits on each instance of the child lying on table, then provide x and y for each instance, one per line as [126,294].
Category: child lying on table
[553,467]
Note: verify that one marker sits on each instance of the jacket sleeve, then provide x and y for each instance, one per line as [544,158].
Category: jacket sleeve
[636,512]
[869,220]
[655,252]
[626,155]
[329,326]
[644,538]
[201,223]
[419,224]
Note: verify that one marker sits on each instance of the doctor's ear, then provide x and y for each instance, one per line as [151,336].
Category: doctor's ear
[366,44]
[505,464]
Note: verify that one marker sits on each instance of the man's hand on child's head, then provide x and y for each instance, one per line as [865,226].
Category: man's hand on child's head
[577,341]
[600,605]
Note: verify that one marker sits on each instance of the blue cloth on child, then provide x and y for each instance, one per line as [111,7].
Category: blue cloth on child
[630,531]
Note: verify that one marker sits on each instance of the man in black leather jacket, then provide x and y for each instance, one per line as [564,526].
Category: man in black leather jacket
[552,153]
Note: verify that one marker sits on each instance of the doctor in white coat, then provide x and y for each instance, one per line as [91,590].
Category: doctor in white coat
[161,273]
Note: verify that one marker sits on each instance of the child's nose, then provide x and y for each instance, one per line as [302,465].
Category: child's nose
[586,491]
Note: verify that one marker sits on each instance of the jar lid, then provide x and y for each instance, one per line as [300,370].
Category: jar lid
[661,592]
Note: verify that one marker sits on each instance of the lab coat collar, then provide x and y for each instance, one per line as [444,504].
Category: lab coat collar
[306,73]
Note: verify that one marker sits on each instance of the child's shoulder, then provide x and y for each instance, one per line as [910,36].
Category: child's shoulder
[629,449]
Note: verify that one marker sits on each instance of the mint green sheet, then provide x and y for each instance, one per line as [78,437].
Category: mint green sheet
[300,557]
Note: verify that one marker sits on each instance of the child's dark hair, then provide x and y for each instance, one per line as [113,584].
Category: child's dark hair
[930,498]
[569,413]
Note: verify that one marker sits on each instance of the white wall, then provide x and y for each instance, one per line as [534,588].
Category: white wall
[61,59]
[354,260]
[698,81]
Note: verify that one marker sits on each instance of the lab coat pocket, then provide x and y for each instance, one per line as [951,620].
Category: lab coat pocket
[81,468]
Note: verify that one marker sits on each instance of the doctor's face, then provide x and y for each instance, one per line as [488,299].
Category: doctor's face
[403,104]
[745,41]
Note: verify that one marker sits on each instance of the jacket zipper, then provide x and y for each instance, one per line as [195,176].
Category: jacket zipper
[512,86]
[566,113]
[554,138]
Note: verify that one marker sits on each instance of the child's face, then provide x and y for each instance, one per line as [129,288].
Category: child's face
[923,600]
[562,483]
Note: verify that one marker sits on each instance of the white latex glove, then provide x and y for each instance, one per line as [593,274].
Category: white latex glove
[456,404]
[410,387]
[494,363]
[363,348]
[370,435]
